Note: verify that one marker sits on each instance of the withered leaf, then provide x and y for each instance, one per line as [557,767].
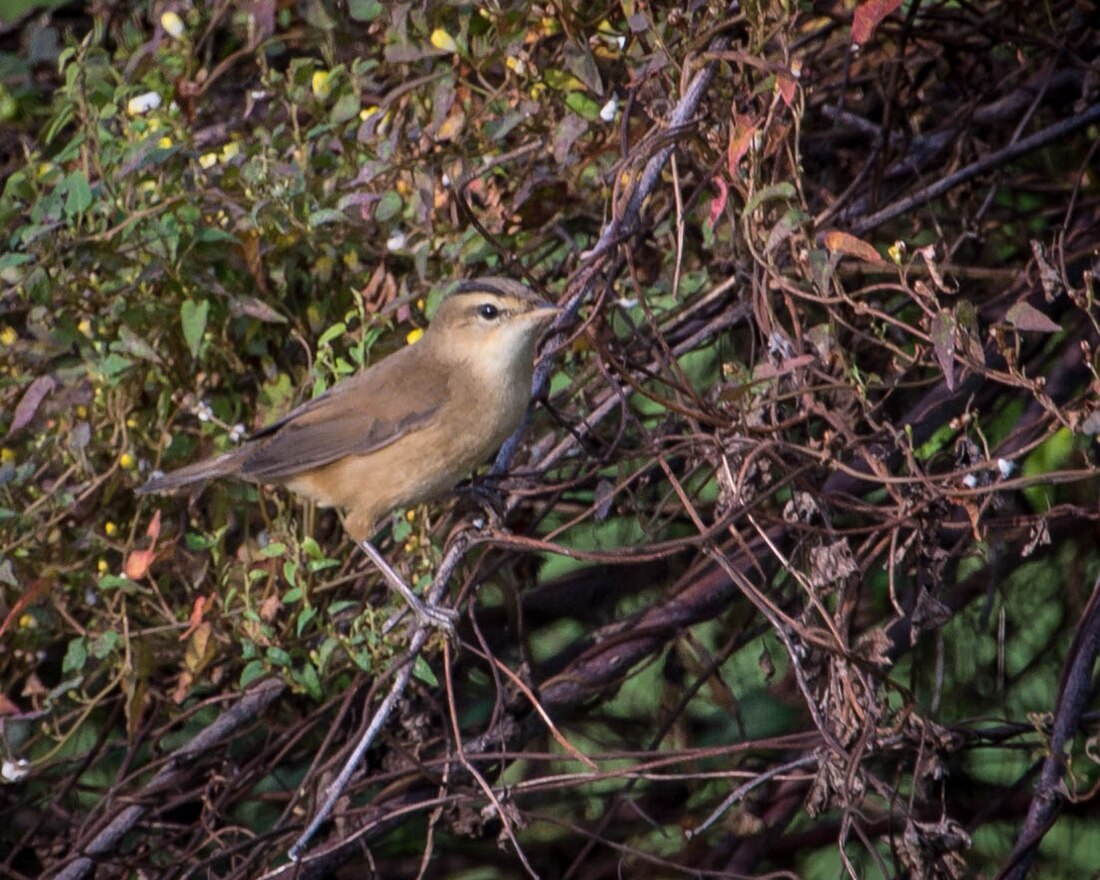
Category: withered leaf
[943,341]
[1024,316]
[30,401]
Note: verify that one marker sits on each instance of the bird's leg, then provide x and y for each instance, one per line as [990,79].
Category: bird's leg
[484,494]
[433,615]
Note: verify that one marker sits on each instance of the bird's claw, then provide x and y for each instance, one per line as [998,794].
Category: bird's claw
[436,616]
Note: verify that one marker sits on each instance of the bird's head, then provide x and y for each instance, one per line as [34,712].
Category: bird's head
[491,323]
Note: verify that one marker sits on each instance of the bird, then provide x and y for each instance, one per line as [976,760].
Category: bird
[406,429]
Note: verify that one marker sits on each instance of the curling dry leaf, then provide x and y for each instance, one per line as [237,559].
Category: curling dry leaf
[831,564]
[847,244]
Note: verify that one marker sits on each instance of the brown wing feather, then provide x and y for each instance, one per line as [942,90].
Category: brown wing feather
[358,415]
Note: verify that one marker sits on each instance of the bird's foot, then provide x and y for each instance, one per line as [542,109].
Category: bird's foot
[487,498]
[436,616]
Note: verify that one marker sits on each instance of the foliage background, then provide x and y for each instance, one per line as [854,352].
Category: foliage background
[807,513]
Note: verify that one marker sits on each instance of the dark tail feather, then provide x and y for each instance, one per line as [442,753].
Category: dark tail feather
[223,465]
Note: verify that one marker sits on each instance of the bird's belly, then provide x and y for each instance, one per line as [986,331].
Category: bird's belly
[418,467]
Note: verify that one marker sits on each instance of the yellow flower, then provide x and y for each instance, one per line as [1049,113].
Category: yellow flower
[443,41]
[126,461]
[7,456]
[414,336]
[110,529]
[208,160]
[321,83]
[367,112]
[165,142]
[8,336]
[172,23]
[230,150]
[102,567]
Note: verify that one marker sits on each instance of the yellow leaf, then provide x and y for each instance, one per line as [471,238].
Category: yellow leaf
[452,126]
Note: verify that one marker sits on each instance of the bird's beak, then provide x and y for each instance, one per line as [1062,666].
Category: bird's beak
[543,313]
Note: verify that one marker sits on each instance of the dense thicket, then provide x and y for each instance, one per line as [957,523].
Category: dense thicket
[793,571]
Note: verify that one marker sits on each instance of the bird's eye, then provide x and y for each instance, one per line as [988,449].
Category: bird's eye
[488,311]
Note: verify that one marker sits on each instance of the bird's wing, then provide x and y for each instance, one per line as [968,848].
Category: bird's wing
[379,406]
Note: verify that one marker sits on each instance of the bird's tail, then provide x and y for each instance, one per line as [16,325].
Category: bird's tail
[223,465]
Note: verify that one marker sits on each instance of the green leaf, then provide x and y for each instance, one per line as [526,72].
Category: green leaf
[364,10]
[308,679]
[213,235]
[79,193]
[278,656]
[345,108]
[114,582]
[275,548]
[290,572]
[332,333]
[388,206]
[76,655]
[104,644]
[304,619]
[583,105]
[324,216]
[782,190]
[401,530]
[253,670]
[321,655]
[11,259]
[424,672]
[193,316]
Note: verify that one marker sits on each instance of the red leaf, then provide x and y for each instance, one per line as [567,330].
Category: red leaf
[741,134]
[786,86]
[153,532]
[868,16]
[194,621]
[718,203]
[39,588]
[137,563]
[30,401]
